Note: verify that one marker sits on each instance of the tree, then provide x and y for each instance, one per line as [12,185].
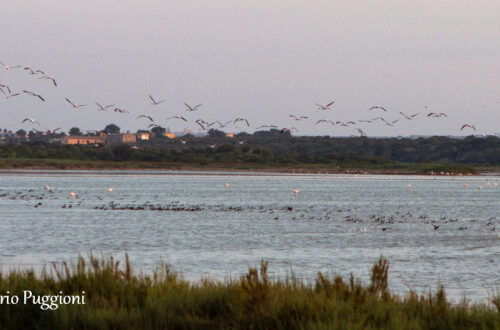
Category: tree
[111,128]
[21,132]
[158,130]
[216,133]
[75,131]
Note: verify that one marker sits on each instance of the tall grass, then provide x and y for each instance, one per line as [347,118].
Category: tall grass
[119,298]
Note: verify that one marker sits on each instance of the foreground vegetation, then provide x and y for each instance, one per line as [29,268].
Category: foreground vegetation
[117,297]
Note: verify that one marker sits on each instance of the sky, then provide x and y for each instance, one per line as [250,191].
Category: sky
[260,60]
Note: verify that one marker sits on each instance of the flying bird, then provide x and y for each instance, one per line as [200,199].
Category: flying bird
[283,130]
[435,115]
[204,123]
[7,67]
[468,125]
[31,71]
[31,120]
[6,87]
[34,94]
[121,110]
[8,96]
[378,107]
[190,108]
[241,119]
[267,126]
[325,107]
[76,106]
[410,117]
[145,116]
[154,101]
[177,117]
[201,125]
[325,121]
[54,130]
[297,118]
[103,108]
[49,78]
[221,125]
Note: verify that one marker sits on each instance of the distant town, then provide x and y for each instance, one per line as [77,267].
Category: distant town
[110,135]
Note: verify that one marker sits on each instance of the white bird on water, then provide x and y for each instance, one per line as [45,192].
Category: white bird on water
[72,194]
[110,189]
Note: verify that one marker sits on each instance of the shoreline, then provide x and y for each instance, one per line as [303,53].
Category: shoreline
[62,166]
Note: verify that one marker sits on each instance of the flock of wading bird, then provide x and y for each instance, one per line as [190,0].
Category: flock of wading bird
[205,125]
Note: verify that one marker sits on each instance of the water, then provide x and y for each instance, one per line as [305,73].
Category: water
[336,224]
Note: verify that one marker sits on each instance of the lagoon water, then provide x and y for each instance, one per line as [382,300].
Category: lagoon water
[337,224]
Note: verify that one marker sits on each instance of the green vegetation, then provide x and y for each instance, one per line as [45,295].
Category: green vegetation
[436,154]
[117,297]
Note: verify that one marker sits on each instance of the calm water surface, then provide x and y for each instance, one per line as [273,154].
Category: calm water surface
[336,224]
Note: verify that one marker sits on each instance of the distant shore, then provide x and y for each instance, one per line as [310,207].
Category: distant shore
[383,169]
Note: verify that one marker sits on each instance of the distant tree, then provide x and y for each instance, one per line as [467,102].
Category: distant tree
[158,130]
[111,128]
[216,133]
[75,131]
[21,132]
[242,134]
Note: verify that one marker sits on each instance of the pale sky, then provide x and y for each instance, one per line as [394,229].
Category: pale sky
[261,60]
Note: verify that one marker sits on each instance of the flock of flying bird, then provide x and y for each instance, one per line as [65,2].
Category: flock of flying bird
[205,125]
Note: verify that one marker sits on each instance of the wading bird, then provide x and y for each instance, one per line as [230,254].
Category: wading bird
[266,126]
[375,107]
[435,115]
[325,121]
[34,94]
[221,125]
[177,117]
[7,67]
[31,120]
[467,125]
[285,129]
[103,108]
[324,107]
[145,116]
[8,96]
[154,101]
[410,117]
[49,78]
[241,119]
[6,87]
[190,108]
[121,110]
[76,106]
[297,118]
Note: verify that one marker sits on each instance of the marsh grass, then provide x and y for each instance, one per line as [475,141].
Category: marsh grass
[119,298]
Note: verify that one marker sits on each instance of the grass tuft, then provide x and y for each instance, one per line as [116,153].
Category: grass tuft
[117,297]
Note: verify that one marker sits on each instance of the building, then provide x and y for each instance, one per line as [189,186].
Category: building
[169,135]
[119,138]
[143,136]
[83,139]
